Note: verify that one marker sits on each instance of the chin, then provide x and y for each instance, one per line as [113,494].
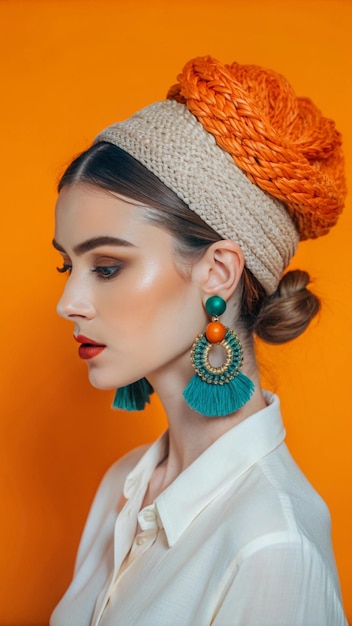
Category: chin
[98,382]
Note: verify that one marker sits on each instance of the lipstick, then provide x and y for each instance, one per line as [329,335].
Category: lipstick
[88,348]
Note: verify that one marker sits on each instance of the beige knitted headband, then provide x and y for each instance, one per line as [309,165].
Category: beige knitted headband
[168,140]
[172,143]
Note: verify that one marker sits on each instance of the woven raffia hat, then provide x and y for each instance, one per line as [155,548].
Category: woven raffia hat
[258,164]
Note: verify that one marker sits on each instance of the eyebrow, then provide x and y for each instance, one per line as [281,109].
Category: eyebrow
[95,242]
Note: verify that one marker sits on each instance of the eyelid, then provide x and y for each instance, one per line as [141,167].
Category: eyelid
[106,259]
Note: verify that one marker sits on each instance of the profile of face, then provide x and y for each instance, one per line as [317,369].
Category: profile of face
[124,290]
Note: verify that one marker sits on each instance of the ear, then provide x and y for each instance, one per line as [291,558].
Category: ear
[219,270]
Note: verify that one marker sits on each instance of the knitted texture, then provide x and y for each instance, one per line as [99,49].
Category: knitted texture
[282,142]
[169,141]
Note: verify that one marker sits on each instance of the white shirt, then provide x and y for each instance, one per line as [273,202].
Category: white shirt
[240,538]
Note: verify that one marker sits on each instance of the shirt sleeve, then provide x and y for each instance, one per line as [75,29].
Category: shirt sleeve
[281,585]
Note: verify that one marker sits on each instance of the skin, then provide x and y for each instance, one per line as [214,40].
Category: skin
[147,312]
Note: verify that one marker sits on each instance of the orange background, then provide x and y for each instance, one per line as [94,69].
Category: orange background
[69,68]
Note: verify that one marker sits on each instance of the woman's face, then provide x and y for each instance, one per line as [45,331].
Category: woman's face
[123,290]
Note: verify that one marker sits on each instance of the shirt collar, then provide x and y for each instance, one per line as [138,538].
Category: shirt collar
[140,476]
[213,471]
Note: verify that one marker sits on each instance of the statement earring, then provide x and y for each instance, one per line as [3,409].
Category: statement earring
[133,397]
[217,391]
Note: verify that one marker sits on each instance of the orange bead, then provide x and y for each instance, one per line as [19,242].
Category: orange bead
[215,332]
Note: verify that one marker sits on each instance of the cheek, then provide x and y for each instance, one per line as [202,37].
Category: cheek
[154,286]
[155,310]
[170,319]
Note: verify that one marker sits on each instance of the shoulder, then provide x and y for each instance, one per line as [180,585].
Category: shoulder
[110,490]
[274,499]
[102,515]
[114,478]
[126,463]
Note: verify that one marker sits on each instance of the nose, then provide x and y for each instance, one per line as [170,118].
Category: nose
[76,301]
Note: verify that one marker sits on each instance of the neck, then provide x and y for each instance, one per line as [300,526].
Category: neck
[191,433]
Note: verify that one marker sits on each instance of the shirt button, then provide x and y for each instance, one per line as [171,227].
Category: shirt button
[140,541]
[149,516]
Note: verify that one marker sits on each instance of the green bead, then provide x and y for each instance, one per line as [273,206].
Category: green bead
[215,305]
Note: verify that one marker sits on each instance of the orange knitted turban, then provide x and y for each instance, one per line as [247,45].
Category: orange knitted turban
[257,164]
[282,143]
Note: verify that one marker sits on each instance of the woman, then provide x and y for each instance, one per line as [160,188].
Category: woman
[175,228]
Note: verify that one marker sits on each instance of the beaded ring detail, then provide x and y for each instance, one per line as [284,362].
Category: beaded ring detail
[233,363]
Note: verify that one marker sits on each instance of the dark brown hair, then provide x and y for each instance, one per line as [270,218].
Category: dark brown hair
[276,319]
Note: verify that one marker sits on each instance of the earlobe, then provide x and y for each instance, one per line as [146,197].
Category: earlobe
[221,268]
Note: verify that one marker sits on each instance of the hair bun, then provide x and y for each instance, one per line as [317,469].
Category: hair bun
[286,313]
[293,282]
[282,143]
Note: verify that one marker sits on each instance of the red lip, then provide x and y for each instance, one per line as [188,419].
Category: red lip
[88,348]
[83,339]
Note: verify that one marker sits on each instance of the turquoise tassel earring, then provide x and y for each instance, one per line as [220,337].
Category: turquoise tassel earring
[217,391]
[133,397]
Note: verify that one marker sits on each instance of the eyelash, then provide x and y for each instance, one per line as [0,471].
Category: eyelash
[101,271]
[65,268]
[104,272]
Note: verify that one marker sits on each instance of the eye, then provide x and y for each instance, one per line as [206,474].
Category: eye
[105,272]
[65,269]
